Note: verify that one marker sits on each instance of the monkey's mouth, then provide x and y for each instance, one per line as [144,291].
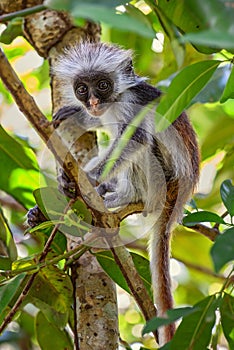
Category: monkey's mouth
[98,110]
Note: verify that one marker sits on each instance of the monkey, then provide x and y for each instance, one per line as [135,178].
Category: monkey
[100,89]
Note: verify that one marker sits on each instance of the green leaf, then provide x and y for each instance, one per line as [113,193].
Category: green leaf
[227,194]
[13,30]
[7,241]
[109,265]
[229,90]
[195,330]
[211,38]
[213,90]
[172,32]
[124,139]
[69,4]
[222,251]
[189,16]
[113,18]
[184,87]
[52,288]
[202,216]
[7,292]
[49,336]
[227,318]
[19,170]
[107,262]
[132,19]
[52,294]
[52,204]
[172,316]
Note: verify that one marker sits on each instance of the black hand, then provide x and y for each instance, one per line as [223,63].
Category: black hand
[64,113]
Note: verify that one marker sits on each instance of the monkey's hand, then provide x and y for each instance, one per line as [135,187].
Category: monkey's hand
[35,217]
[64,113]
[66,185]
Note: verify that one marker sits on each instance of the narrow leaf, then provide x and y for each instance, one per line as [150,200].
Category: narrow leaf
[222,251]
[109,265]
[211,38]
[229,90]
[173,34]
[124,139]
[172,316]
[227,318]
[227,194]
[7,240]
[8,290]
[19,170]
[184,87]
[202,216]
[13,30]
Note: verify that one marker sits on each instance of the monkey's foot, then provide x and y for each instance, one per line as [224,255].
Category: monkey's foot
[115,199]
[35,217]
[106,187]
[66,185]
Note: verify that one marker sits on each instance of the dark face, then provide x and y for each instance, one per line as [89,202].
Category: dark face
[95,91]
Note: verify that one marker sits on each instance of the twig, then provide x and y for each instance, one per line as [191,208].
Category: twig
[210,233]
[31,279]
[200,268]
[22,13]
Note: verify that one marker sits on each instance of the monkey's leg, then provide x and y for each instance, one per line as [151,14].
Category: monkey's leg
[105,187]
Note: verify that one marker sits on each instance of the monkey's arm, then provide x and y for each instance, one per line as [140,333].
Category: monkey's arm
[78,113]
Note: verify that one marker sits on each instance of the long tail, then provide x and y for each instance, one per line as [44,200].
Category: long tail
[160,258]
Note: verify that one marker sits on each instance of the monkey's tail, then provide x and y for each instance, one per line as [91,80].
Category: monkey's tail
[160,257]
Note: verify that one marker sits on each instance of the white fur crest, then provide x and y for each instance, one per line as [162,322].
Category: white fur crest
[86,57]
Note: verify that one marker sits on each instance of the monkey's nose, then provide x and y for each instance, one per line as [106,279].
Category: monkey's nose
[93,101]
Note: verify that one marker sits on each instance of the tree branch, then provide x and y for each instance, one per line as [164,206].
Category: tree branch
[208,232]
[21,13]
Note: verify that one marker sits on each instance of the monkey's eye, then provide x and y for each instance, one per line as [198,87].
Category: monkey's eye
[81,89]
[103,85]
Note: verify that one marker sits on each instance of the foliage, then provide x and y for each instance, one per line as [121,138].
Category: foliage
[195,60]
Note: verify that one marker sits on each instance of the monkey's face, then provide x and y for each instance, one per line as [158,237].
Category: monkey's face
[96,92]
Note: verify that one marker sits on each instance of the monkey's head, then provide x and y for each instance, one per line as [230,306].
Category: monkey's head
[95,75]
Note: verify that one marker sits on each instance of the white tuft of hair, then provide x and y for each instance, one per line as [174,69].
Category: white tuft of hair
[86,57]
